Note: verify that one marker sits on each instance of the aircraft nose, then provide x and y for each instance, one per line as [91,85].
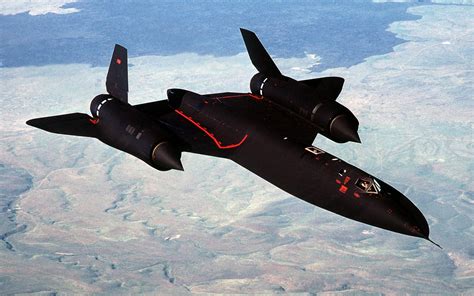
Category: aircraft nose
[410,219]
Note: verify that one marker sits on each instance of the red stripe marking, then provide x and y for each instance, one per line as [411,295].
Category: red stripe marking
[356,195]
[240,96]
[255,97]
[231,97]
[210,135]
[94,121]
[338,181]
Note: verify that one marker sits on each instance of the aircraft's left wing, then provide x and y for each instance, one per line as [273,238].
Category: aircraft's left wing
[190,137]
[255,109]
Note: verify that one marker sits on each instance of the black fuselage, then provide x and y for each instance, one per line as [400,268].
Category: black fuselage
[304,171]
[328,182]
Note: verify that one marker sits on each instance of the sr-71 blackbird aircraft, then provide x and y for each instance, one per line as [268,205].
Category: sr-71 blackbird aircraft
[269,131]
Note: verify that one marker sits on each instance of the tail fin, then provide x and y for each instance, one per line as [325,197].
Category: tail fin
[117,77]
[258,55]
[75,124]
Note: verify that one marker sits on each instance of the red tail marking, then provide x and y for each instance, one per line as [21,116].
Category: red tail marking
[210,135]
[118,61]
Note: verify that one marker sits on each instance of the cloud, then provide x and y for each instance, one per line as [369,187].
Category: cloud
[106,222]
[36,7]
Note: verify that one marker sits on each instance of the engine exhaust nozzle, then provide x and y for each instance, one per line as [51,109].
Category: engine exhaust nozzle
[166,157]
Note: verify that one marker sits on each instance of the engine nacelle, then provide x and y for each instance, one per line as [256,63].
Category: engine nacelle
[286,92]
[315,104]
[122,126]
[335,122]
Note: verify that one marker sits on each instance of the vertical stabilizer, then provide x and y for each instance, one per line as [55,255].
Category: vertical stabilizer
[258,55]
[117,77]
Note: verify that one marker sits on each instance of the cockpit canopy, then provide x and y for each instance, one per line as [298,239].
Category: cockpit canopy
[368,185]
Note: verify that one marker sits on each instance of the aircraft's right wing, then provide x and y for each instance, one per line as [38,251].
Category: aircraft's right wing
[275,118]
